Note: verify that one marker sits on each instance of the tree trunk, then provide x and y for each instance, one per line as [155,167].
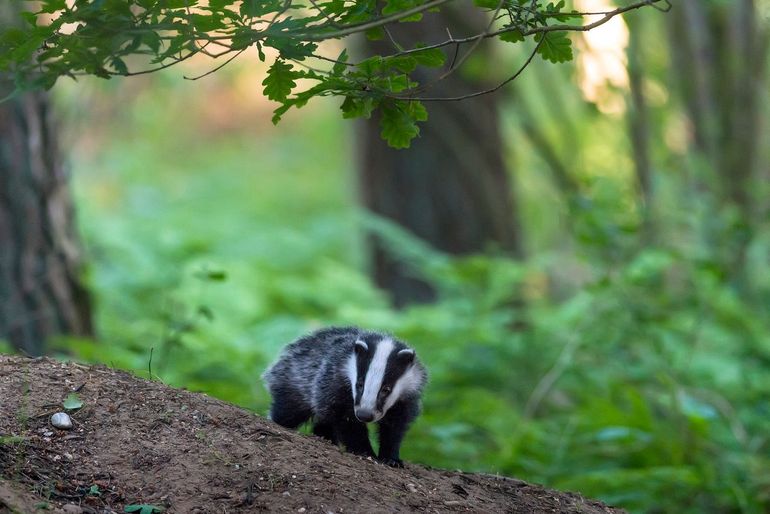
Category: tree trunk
[40,291]
[451,188]
[639,128]
[720,63]
[720,57]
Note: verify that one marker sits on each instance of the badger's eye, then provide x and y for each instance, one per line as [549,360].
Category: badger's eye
[385,391]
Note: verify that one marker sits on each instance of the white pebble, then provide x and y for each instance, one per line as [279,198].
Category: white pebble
[61,420]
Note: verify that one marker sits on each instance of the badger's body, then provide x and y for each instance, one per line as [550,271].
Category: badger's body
[343,378]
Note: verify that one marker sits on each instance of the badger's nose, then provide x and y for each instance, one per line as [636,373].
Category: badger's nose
[364,415]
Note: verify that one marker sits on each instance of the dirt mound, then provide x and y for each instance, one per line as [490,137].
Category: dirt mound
[137,442]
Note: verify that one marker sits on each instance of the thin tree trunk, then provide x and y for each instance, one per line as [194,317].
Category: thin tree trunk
[694,60]
[451,188]
[40,291]
[560,172]
[748,65]
[639,128]
[720,86]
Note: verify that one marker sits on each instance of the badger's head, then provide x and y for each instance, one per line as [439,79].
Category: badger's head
[381,371]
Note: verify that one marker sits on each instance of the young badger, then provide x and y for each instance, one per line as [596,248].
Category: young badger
[343,378]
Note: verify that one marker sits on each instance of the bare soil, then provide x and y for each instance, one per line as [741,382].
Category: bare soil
[136,441]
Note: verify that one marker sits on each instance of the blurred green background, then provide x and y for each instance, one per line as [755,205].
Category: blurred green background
[626,357]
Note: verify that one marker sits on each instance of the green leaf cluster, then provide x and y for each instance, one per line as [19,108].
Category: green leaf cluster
[555,47]
[552,45]
[375,83]
[107,38]
[399,122]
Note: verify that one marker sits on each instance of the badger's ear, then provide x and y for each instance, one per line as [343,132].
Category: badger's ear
[361,347]
[406,355]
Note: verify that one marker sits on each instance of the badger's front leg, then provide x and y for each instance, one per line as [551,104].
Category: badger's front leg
[354,435]
[326,431]
[393,428]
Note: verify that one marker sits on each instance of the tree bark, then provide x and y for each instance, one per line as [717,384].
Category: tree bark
[452,187]
[40,290]
[639,128]
[747,58]
[720,62]
[720,65]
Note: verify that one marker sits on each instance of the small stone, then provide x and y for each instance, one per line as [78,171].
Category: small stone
[411,487]
[301,509]
[286,493]
[47,433]
[62,421]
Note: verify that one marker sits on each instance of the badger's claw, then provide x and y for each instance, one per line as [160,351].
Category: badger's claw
[393,463]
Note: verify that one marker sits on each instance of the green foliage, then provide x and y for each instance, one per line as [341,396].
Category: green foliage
[280,81]
[12,439]
[143,508]
[72,402]
[399,122]
[395,6]
[555,47]
[513,36]
[105,38]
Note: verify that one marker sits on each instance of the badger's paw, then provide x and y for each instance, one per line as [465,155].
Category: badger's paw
[393,463]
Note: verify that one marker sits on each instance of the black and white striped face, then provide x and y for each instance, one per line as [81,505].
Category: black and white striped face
[381,372]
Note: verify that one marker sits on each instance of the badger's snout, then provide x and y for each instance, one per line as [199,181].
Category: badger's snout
[364,415]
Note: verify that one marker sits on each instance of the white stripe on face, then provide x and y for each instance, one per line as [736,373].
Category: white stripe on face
[375,374]
[351,370]
[409,382]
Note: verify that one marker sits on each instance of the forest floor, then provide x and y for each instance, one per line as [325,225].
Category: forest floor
[138,442]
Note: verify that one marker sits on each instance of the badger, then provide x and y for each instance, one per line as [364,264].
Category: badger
[340,379]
